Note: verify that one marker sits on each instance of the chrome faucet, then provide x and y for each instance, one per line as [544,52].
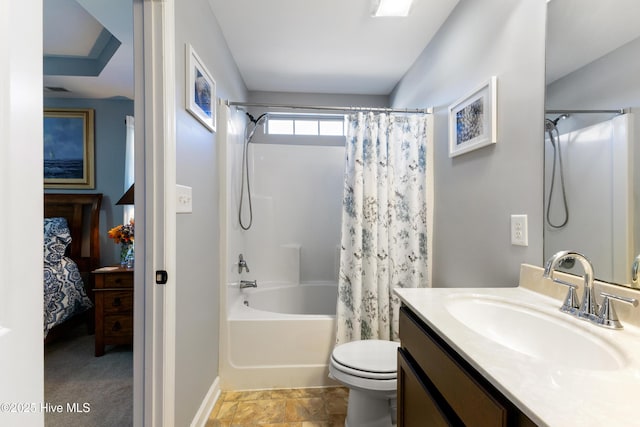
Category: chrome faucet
[607,316]
[588,309]
[604,315]
[242,264]
[248,284]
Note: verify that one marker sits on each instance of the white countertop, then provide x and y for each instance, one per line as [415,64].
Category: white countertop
[551,394]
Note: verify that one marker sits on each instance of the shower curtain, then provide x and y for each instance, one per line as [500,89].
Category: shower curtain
[384,241]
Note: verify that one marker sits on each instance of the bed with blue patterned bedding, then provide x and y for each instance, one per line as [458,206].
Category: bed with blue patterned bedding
[71,252]
[64,291]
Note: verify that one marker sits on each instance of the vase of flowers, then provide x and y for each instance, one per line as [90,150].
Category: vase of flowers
[124,235]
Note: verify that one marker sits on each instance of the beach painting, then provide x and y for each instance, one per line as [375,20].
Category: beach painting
[68,148]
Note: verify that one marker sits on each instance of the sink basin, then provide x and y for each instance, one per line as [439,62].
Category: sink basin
[534,332]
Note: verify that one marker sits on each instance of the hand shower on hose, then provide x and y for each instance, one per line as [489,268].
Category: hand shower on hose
[253,124]
[550,126]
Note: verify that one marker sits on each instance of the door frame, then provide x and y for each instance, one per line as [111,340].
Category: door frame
[155,312]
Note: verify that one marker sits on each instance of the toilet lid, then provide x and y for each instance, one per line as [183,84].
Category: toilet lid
[374,356]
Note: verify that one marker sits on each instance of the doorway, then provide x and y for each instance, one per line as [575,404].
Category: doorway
[94,70]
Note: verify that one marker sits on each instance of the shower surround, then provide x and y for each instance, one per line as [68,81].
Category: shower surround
[293,244]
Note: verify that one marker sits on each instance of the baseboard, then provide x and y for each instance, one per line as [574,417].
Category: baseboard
[207,405]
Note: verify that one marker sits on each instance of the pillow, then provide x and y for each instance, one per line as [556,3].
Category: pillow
[56,239]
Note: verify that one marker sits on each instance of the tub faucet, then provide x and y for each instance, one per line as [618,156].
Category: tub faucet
[588,308]
[248,284]
[242,264]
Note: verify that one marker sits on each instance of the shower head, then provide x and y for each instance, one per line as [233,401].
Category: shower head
[256,123]
[560,117]
[550,125]
[253,119]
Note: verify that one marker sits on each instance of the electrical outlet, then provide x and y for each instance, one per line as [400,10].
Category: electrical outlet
[183,199]
[519,232]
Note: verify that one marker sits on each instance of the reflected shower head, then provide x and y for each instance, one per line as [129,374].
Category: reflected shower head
[560,117]
[550,125]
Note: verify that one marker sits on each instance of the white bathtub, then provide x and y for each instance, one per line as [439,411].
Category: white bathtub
[279,336]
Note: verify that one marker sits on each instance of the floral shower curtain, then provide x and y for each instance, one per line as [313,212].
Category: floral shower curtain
[384,223]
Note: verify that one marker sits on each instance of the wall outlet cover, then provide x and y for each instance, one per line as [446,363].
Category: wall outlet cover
[519,230]
[184,201]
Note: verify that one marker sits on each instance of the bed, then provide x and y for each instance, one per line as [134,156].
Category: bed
[71,252]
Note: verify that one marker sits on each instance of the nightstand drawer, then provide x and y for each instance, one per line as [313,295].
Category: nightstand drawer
[117,302]
[118,280]
[114,307]
[118,326]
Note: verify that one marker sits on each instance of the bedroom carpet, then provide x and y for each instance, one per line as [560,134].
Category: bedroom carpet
[92,391]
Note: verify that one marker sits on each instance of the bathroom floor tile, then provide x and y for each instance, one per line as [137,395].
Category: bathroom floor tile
[248,395]
[297,393]
[308,407]
[260,411]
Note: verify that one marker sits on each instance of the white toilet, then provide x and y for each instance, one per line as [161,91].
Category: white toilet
[369,369]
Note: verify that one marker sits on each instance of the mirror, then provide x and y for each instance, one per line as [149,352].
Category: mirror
[591,201]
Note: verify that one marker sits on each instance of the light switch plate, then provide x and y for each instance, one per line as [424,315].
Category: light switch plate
[519,232]
[184,201]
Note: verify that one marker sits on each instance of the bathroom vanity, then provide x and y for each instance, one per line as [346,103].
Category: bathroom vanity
[437,387]
[509,357]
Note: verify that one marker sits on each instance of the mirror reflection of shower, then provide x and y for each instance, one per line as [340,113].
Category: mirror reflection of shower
[596,179]
[252,124]
[551,127]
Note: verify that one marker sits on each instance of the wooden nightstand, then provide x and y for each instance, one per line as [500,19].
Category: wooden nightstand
[114,307]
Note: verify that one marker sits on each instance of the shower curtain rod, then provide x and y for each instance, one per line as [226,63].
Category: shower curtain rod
[619,111]
[327,108]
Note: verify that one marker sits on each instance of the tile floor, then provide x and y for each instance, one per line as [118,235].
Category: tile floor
[302,407]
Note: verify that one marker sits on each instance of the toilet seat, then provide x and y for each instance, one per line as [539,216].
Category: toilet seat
[369,369]
[370,359]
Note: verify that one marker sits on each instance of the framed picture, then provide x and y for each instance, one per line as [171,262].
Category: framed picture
[69,148]
[200,91]
[473,120]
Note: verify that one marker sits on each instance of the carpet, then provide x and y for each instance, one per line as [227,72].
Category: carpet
[83,390]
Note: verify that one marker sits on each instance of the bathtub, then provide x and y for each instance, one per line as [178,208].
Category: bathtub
[279,336]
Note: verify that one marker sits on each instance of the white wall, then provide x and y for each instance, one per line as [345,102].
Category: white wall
[21,300]
[476,193]
[197,284]
[297,199]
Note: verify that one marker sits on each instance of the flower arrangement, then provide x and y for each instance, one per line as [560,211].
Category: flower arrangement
[123,233]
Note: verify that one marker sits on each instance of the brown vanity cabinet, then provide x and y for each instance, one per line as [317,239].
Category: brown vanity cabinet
[437,387]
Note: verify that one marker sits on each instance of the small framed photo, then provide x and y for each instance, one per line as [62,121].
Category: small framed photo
[69,148]
[200,90]
[473,120]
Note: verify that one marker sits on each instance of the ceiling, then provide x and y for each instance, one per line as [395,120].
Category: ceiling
[85,37]
[328,46]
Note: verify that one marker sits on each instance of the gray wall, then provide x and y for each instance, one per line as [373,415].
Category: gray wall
[197,305]
[110,140]
[608,82]
[476,193]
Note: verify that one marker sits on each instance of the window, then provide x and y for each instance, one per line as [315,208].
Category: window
[305,124]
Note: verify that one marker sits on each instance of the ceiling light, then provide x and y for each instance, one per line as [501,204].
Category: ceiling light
[391,7]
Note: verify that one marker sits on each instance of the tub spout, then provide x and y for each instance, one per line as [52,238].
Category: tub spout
[248,284]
